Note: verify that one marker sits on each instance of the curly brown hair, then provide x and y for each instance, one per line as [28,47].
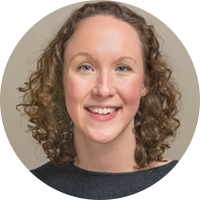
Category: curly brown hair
[44,103]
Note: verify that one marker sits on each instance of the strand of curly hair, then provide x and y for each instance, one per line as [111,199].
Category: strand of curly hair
[43,102]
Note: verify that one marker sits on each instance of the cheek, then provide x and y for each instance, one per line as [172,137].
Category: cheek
[76,90]
[72,90]
[73,96]
[131,91]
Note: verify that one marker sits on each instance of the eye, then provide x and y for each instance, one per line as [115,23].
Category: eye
[85,68]
[123,68]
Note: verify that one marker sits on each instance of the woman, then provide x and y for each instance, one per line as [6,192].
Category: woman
[102,104]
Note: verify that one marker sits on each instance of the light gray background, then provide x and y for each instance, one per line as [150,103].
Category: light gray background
[22,62]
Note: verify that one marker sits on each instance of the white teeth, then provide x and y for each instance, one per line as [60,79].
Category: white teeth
[103,111]
[100,111]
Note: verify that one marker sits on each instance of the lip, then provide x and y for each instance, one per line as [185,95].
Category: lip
[103,118]
[101,106]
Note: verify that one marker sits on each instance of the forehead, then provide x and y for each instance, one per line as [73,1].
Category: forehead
[100,25]
[104,35]
[104,21]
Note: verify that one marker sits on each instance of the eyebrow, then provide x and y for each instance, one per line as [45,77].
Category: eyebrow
[80,54]
[127,57]
[88,55]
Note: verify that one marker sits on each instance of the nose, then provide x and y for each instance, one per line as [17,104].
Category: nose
[104,86]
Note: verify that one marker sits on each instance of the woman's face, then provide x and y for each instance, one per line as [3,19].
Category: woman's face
[103,78]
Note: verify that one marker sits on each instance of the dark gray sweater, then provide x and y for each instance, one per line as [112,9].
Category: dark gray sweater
[81,183]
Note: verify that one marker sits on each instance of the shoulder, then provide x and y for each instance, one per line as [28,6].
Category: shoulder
[155,173]
[56,177]
[50,173]
[161,169]
[44,171]
[158,170]
[166,165]
[165,162]
[44,168]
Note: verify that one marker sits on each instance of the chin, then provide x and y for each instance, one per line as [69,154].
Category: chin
[102,137]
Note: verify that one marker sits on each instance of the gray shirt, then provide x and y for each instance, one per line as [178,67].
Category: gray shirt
[81,183]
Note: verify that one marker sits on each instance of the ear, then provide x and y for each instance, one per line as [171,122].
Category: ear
[145,88]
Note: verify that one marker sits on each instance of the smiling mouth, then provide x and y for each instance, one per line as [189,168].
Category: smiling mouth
[102,111]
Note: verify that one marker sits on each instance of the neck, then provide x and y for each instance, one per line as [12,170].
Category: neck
[115,156]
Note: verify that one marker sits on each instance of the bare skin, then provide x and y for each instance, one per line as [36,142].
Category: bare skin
[103,68]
